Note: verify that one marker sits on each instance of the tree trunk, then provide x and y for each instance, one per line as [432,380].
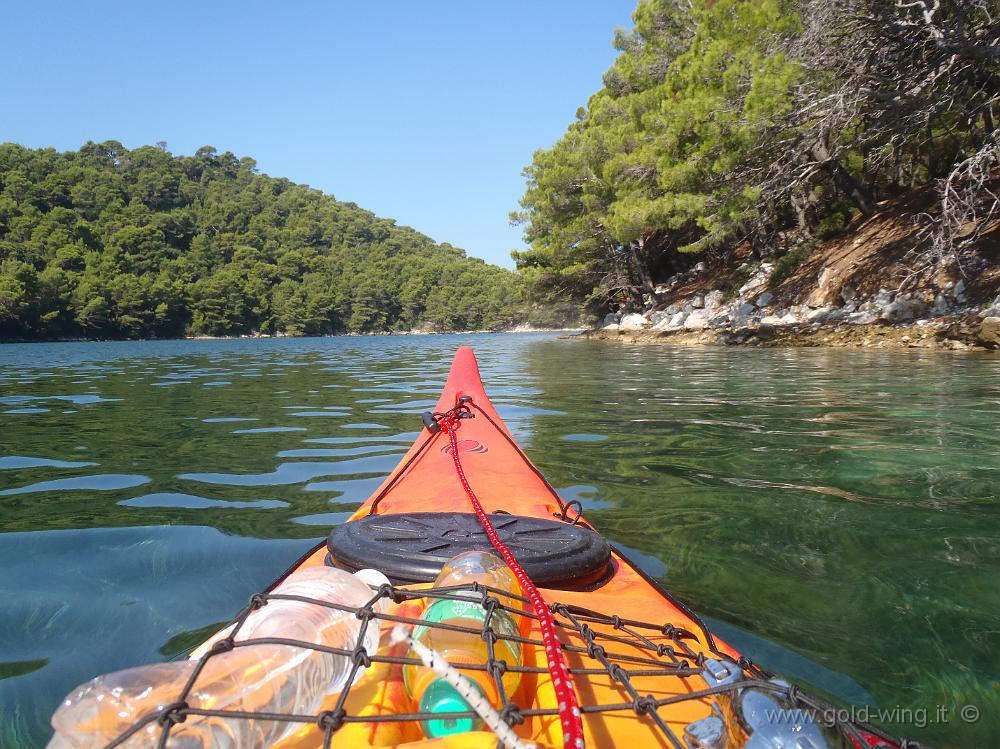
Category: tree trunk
[799,205]
[853,189]
[640,269]
[897,167]
[931,157]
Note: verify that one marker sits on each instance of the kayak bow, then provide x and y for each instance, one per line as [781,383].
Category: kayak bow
[646,671]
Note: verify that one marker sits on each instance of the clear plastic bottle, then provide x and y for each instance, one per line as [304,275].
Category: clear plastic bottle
[267,678]
[430,692]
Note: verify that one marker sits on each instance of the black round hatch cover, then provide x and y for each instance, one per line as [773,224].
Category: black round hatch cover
[412,548]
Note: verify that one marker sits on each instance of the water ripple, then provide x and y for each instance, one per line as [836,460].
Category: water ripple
[295,473]
[268,430]
[193,502]
[406,438]
[100,482]
[339,453]
[9,462]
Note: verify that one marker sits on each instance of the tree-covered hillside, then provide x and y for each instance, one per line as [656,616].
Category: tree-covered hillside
[108,242]
[768,125]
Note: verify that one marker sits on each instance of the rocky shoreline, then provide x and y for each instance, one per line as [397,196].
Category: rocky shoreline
[939,318]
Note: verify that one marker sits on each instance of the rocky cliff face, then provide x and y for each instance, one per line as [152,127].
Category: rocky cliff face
[866,279]
[755,305]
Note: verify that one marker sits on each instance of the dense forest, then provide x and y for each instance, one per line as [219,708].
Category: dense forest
[723,128]
[765,126]
[107,242]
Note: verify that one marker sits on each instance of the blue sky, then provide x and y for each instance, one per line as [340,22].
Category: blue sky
[425,112]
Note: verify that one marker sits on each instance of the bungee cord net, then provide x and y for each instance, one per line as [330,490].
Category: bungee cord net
[654,673]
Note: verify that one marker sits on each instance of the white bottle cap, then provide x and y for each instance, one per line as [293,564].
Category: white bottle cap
[372,578]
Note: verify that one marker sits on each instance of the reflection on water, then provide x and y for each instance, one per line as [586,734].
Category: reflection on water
[833,513]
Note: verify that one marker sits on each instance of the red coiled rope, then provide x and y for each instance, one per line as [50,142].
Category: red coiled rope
[562,682]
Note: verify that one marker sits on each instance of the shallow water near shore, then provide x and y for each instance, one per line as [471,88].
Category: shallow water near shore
[833,513]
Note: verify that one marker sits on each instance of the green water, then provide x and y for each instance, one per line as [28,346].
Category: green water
[834,514]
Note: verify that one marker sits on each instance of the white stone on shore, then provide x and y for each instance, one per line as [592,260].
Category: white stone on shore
[741,314]
[764,299]
[696,321]
[677,320]
[713,299]
[989,333]
[824,314]
[864,317]
[993,310]
[940,306]
[882,297]
[758,281]
[901,309]
[635,321]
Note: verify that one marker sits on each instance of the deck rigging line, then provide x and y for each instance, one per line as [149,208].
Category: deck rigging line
[562,682]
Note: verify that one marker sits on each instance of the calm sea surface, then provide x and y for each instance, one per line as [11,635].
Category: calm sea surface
[834,514]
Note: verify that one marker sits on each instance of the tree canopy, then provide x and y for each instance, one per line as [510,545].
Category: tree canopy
[108,242]
[746,121]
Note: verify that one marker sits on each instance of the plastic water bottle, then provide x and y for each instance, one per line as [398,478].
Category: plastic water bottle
[265,678]
[430,692]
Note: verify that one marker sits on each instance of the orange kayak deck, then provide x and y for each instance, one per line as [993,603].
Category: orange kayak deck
[505,480]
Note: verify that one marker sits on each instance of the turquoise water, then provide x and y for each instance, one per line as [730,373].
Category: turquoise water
[834,514]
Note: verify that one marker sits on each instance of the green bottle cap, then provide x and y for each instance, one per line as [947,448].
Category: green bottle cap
[441,697]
